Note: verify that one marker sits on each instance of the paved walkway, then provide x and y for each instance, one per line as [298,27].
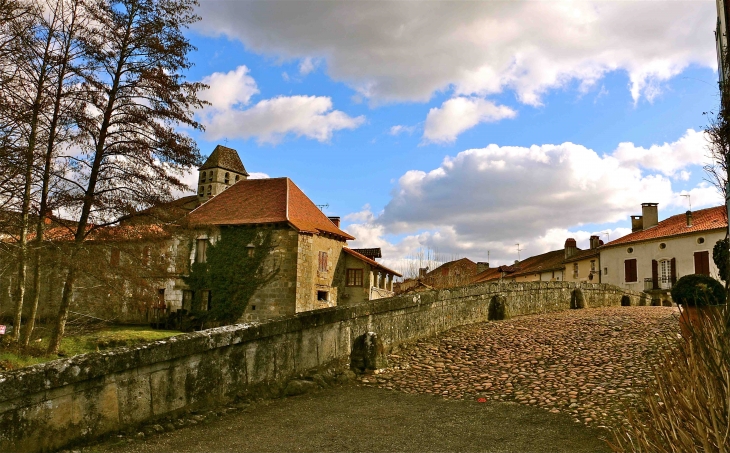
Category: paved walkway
[510,386]
[591,364]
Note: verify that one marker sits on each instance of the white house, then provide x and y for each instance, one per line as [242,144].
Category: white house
[655,254]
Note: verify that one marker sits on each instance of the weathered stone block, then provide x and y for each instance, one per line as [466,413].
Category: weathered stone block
[368,353]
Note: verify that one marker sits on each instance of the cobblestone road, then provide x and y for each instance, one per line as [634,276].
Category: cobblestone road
[592,364]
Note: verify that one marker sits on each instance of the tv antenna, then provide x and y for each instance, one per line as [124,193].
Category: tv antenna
[689,200]
[322,206]
[607,237]
[518,251]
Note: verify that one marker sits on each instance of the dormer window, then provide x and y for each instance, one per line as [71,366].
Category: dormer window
[228,178]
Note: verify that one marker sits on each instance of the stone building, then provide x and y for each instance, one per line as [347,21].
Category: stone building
[655,254]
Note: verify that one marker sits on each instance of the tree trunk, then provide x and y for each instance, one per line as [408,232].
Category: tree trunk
[60,328]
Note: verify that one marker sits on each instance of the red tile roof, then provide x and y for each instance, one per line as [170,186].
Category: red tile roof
[257,201]
[369,261]
[535,264]
[583,254]
[702,220]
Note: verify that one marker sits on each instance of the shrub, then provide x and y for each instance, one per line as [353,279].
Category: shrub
[720,257]
[687,407]
[698,290]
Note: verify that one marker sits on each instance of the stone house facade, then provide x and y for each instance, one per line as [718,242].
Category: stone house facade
[655,254]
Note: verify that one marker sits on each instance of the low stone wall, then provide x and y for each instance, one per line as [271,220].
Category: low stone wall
[48,406]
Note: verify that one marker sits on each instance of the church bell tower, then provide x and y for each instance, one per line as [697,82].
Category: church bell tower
[222,169]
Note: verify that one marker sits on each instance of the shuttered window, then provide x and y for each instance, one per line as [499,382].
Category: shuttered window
[354,277]
[630,271]
[322,262]
[702,263]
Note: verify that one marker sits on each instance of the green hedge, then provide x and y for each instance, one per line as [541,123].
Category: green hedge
[698,290]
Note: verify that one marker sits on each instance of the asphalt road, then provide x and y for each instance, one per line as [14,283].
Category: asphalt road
[354,418]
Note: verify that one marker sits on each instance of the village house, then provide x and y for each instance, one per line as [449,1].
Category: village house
[655,254]
[582,265]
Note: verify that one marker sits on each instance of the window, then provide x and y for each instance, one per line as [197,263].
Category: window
[630,271]
[702,263]
[253,307]
[201,191]
[665,274]
[605,271]
[575,270]
[354,277]
[322,262]
[593,265]
[201,251]
[227,179]
[700,240]
[210,176]
[322,296]
[630,250]
[250,250]
[202,176]
[662,246]
[205,300]
[210,190]
[114,258]
[237,178]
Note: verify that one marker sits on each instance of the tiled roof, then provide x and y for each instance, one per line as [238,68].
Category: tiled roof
[702,220]
[462,262]
[226,158]
[583,254]
[373,263]
[370,253]
[535,264]
[257,201]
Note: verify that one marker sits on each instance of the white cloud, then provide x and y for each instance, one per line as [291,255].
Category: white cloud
[668,158]
[445,123]
[229,89]
[270,120]
[489,199]
[400,129]
[258,175]
[307,65]
[409,50]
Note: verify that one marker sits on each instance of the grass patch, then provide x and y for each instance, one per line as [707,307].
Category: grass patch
[12,357]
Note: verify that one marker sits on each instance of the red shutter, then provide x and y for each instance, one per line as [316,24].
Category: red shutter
[630,270]
[654,274]
[673,271]
[702,263]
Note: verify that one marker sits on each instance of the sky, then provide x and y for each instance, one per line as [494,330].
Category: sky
[466,128]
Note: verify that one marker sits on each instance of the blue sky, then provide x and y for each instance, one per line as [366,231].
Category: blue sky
[313,91]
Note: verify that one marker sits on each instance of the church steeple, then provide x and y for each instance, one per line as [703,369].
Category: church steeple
[222,169]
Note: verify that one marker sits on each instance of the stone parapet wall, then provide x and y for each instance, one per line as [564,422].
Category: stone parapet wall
[48,406]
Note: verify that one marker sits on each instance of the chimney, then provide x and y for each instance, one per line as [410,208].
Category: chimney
[482,266]
[637,224]
[570,248]
[422,272]
[335,220]
[595,242]
[689,218]
[650,213]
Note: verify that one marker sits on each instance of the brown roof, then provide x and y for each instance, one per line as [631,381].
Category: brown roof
[583,254]
[535,264]
[226,158]
[373,263]
[461,263]
[370,253]
[702,220]
[257,201]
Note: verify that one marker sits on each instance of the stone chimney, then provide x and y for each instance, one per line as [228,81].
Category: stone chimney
[335,220]
[650,213]
[595,242]
[482,266]
[637,224]
[689,218]
[570,248]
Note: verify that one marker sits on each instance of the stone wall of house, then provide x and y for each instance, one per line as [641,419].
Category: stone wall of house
[310,279]
[278,297]
[52,405]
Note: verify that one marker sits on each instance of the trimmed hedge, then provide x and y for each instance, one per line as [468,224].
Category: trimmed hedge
[698,290]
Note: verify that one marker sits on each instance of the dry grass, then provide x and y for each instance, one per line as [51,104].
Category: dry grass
[686,409]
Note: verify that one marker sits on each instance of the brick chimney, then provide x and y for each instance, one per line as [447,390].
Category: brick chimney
[595,242]
[689,218]
[570,248]
[650,213]
[637,224]
[482,266]
[335,220]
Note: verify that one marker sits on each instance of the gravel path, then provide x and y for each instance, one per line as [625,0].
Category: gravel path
[591,364]
[354,419]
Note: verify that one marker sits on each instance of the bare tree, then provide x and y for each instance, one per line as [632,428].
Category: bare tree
[132,154]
